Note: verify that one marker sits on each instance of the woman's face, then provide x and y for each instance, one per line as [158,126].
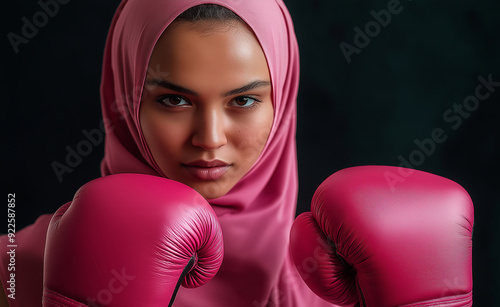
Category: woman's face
[206,110]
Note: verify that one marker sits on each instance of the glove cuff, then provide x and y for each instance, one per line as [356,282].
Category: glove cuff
[53,299]
[463,300]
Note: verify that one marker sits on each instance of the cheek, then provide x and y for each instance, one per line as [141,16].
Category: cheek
[165,137]
[253,135]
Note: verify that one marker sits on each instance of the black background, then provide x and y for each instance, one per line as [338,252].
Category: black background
[372,110]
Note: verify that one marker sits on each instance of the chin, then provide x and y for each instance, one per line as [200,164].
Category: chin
[211,193]
[211,189]
[208,189]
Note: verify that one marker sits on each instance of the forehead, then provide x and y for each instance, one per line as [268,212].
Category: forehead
[216,50]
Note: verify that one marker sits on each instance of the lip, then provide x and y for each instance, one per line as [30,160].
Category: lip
[207,170]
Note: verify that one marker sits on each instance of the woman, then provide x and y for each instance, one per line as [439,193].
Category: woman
[205,95]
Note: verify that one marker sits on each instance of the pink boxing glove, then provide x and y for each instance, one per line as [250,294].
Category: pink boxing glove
[365,244]
[130,240]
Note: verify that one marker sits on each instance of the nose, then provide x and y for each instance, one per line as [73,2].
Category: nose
[210,132]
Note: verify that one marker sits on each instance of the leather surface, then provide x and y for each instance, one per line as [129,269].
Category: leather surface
[380,244]
[125,240]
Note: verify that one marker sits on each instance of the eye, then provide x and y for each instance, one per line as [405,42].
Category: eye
[245,102]
[173,101]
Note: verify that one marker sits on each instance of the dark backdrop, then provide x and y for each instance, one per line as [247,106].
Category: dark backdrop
[379,80]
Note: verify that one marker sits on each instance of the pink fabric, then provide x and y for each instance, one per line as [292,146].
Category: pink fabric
[256,215]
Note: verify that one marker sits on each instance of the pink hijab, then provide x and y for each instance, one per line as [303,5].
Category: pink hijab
[256,215]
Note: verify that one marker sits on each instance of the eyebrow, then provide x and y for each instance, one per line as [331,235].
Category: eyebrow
[172,86]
